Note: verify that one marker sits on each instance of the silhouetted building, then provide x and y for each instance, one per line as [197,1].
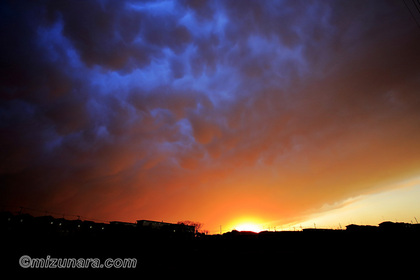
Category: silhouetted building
[122,228]
[152,224]
[6,221]
[391,226]
[361,228]
[123,224]
[163,227]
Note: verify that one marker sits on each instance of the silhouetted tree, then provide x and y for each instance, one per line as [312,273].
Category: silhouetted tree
[197,226]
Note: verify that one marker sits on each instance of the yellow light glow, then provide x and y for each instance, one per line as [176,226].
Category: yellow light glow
[249,227]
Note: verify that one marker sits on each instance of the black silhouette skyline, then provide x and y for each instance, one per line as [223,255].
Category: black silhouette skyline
[169,247]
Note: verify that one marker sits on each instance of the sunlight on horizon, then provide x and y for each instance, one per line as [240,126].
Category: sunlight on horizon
[246,223]
[249,227]
[370,209]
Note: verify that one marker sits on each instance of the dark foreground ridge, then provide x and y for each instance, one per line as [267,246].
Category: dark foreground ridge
[168,248]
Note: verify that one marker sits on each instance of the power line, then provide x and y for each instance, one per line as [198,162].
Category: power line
[416,4]
[411,13]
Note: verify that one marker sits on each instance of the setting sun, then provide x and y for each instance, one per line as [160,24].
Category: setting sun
[249,227]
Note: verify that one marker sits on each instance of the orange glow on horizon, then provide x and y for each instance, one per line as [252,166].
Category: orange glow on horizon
[249,227]
[247,223]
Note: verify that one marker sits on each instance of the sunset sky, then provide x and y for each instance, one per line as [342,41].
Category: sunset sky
[275,113]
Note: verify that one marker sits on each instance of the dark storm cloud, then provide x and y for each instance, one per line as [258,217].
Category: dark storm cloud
[117,98]
[119,35]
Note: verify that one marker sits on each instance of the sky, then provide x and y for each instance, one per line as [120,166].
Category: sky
[219,112]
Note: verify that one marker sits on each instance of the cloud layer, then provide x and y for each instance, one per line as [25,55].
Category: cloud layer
[194,109]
